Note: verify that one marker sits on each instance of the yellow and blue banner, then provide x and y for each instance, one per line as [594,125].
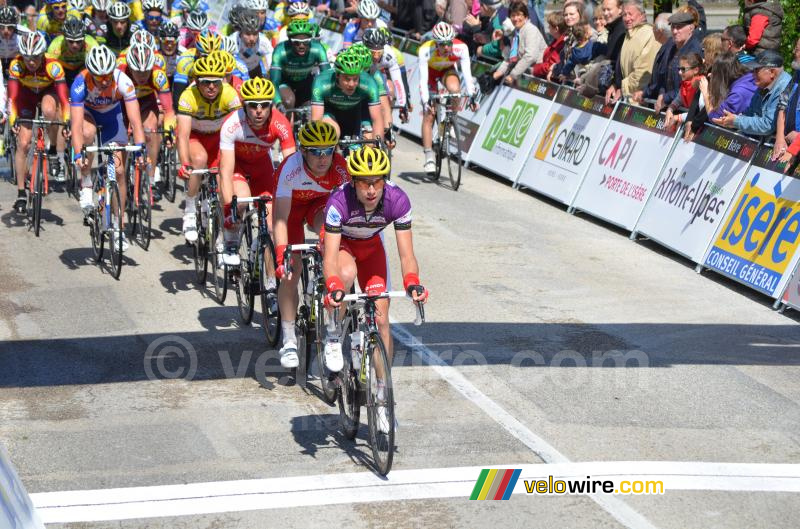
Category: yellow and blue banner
[495,484]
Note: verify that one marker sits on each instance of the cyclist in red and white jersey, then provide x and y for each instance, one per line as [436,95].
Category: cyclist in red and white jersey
[441,55]
[245,166]
[305,181]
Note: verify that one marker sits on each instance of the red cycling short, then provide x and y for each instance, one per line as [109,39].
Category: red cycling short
[300,213]
[435,75]
[260,178]
[370,258]
[27,100]
[210,143]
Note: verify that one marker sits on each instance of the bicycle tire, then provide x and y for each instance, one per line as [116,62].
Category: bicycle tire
[72,177]
[438,150]
[453,152]
[219,271]
[271,318]
[382,444]
[200,248]
[328,386]
[168,175]
[301,371]
[349,406]
[95,228]
[245,293]
[38,195]
[145,211]
[115,243]
[131,211]
[11,154]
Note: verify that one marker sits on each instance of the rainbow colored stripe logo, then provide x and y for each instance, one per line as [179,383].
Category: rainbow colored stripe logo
[495,484]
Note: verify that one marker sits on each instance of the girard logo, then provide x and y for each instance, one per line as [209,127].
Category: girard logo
[511,126]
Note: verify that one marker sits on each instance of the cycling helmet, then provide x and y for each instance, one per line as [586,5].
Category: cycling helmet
[257,5]
[257,89]
[144,37]
[31,44]
[299,26]
[77,5]
[207,41]
[153,5]
[8,16]
[190,6]
[368,161]
[249,22]
[235,14]
[102,5]
[101,60]
[318,134]
[140,58]
[298,9]
[209,66]
[168,30]
[314,30]
[362,52]
[368,9]
[374,39]
[197,21]
[74,29]
[443,32]
[348,63]
[226,59]
[231,45]
[119,11]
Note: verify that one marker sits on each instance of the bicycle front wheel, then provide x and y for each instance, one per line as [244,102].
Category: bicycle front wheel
[380,406]
[269,293]
[245,290]
[200,248]
[453,153]
[168,175]
[38,195]
[439,149]
[349,405]
[96,229]
[219,272]
[116,234]
[131,211]
[144,211]
[325,377]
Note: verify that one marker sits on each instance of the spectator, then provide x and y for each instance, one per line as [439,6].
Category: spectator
[527,45]
[486,31]
[763,21]
[691,71]
[580,54]
[573,16]
[759,118]
[712,46]
[456,12]
[557,29]
[733,40]
[787,111]
[600,73]
[612,12]
[663,35]
[636,57]
[683,23]
[599,22]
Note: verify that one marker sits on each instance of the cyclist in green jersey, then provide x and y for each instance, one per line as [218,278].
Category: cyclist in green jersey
[336,97]
[293,62]
[386,104]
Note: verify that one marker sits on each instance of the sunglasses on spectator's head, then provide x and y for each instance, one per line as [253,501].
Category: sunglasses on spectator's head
[258,105]
[320,151]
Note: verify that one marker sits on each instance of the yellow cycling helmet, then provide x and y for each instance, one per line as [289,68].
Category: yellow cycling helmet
[226,58]
[257,89]
[208,41]
[368,161]
[210,66]
[318,134]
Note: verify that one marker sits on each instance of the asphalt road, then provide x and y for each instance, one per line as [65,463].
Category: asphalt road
[550,338]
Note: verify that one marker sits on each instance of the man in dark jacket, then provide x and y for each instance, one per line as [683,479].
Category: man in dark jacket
[763,21]
[684,41]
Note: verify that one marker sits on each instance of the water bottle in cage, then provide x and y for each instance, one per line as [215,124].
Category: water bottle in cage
[356,346]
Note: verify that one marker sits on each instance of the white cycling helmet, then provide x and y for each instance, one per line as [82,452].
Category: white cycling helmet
[257,5]
[144,37]
[31,44]
[100,60]
[153,5]
[231,45]
[197,21]
[140,58]
[298,9]
[102,5]
[78,5]
[119,11]
[368,9]
[443,32]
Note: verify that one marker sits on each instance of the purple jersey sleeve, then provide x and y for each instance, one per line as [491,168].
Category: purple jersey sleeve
[335,211]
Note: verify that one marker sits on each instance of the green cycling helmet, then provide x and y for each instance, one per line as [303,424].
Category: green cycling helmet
[299,26]
[348,63]
[363,53]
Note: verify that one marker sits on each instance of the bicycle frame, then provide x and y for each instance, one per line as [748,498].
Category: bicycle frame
[110,175]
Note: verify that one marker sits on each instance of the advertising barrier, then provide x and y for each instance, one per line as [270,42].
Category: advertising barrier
[626,166]
[695,189]
[409,50]
[566,145]
[757,243]
[791,297]
[503,141]
[331,33]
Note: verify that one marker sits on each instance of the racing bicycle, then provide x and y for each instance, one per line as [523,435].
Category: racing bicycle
[209,246]
[39,185]
[446,145]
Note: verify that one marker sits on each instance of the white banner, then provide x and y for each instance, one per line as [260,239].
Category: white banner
[504,140]
[566,145]
[414,124]
[757,243]
[626,166]
[695,190]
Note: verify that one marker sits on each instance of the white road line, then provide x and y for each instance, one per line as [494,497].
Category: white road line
[621,511]
[331,489]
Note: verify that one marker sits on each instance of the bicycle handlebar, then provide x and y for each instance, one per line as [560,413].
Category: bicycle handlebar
[210,170]
[298,110]
[347,141]
[41,122]
[113,148]
[444,97]
[235,201]
[361,298]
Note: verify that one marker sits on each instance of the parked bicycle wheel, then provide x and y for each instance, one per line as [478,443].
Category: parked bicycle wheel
[380,397]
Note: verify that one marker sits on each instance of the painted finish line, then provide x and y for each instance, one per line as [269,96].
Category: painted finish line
[273,493]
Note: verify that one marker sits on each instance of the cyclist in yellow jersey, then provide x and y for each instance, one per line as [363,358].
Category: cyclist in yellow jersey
[201,110]
[52,17]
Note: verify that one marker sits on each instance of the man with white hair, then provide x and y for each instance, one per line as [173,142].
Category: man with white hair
[662,32]
[635,65]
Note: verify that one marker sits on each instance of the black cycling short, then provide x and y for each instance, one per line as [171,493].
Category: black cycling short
[302,91]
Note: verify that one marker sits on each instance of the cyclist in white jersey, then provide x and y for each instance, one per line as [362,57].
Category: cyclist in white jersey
[9,29]
[255,49]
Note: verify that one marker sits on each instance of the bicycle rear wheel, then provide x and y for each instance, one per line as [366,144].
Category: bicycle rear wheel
[116,233]
[453,153]
[269,294]
[38,194]
[219,271]
[349,406]
[144,211]
[245,291]
[382,442]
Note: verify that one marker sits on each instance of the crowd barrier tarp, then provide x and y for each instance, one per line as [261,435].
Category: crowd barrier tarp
[331,33]
[695,190]
[757,243]
[566,145]
[791,295]
[627,164]
[505,139]
[409,49]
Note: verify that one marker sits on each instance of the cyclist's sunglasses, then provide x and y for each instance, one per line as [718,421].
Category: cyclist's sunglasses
[319,151]
[8,26]
[209,82]
[444,44]
[366,183]
[31,57]
[301,41]
[58,6]
[151,18]
[258,105]
[104,78]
